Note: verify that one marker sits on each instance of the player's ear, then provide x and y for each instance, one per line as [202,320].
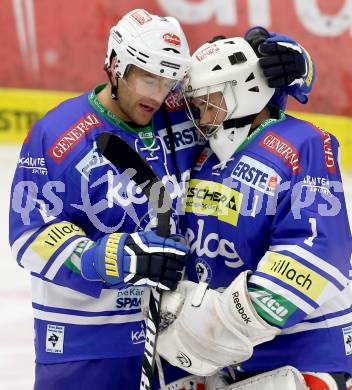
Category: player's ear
[110,68]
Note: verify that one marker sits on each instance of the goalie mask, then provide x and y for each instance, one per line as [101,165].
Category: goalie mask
[153,43]
[225,91]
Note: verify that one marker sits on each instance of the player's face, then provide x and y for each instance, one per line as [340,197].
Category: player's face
[140,94]
[212,111]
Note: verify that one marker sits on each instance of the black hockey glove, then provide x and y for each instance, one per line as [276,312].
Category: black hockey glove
[282,60]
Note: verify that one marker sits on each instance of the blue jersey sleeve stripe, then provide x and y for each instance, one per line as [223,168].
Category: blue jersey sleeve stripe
[83,313]
[329,315]
[326,323]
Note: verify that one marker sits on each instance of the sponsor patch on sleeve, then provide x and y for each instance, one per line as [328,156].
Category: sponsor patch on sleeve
[36,165]
[274,308]
[327,148]
[283,149]
[174,101]
[71,137]
[51,238]
[293,273]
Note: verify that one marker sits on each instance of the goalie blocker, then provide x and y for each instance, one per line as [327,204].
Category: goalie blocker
[212,330]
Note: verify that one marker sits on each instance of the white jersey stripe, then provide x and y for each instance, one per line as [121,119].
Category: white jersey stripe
[50,294]
[326,323]
[18,244]
[82,320]
[339,302]
[62,257]
[33,261]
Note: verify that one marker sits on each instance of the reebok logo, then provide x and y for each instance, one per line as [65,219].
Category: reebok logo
[141,16]
[240,308]
[202,159]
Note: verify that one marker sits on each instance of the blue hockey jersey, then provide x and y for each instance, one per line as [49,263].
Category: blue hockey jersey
[277,208]
[66,193]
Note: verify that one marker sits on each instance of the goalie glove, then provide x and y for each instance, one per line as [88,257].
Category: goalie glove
[139,259]
[212,330]
[284,62]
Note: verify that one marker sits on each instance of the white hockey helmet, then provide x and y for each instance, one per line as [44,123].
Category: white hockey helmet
[229,66]
[154,43]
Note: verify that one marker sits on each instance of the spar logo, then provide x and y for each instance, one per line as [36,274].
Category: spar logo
[256,175]
[129,298]
[282,148]
[173,39]
[71,137]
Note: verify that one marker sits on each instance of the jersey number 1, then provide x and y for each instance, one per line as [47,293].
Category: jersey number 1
[313,224]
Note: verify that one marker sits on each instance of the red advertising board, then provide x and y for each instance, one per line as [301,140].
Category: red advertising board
[61,44]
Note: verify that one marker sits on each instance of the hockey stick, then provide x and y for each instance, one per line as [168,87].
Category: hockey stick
[122,156]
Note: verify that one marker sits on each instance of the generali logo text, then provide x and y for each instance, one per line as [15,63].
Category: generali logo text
[282,148]
[71,137]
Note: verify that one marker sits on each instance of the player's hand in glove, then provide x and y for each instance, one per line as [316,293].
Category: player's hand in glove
[284,62]
[212,330]
[140,259]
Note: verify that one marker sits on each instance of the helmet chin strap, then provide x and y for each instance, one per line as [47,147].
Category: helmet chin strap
[230,136]
[239,122]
